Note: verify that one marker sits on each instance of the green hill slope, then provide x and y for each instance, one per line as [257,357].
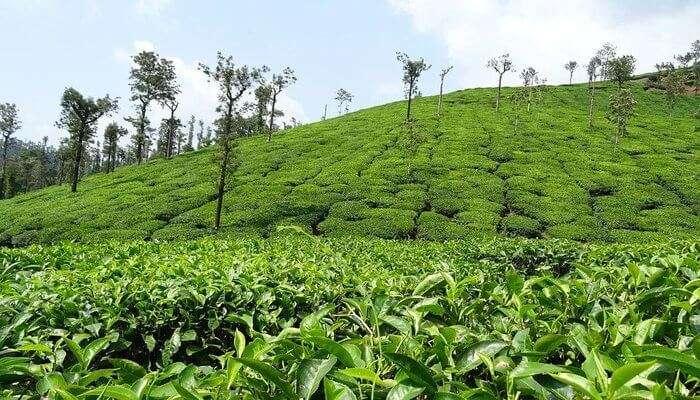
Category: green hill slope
[472,174]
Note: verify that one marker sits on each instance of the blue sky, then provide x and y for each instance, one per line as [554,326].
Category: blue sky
[51,44]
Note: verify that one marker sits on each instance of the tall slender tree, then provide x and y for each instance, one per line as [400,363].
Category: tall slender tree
[200,135]
[151,79]
[279,83]
[113,132]
[9,124]
[443,74]
[501,65]
[571,67]
[190,134]
[343,98]
[592,70]
[171,124]
[233,82]
[412,70]
[79,115]
[263,96]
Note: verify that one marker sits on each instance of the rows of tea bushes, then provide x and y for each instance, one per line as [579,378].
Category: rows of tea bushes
[470,173]
[296,317]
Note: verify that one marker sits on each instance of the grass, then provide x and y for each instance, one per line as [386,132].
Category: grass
[471,175]
[295,316]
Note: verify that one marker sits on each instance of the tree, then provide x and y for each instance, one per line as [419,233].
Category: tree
[673,83]
[96,159]
[621,109]
[9,124]
[151,79]
[263,95]
[619,69]
[113,132]
[571,67]
[200,135]
[501,65]
[695,58]
[190,134]
[79,115]
[530,80]
[443,73]
[171,126]
[179,138]
[233,82]
[343,97]
[592,69]
[606,53]
[279,83]
[412,70]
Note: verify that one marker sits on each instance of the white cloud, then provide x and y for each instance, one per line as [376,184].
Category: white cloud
[151,7]
[143,45]
[546,34]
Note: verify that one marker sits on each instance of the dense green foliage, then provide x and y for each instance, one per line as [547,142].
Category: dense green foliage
[300,317]
[466,174]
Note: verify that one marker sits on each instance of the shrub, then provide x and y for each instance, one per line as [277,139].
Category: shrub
[519,225]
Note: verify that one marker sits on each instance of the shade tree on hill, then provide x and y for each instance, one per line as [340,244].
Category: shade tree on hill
[233,82]
[9,124]
[79,116]
[501,65]
[170,126]
[593,71]
[343,98]
[278,83]
[443,74]
[189,145]
[200,134]
[619,69]
[571,67]
[151,79]
[673,83]
[263,96]
[412,70]
[113,132]
[620,110]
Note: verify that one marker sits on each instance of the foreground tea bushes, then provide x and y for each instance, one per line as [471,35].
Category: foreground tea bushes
[295,317]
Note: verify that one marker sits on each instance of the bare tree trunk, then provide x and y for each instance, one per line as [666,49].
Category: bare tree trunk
[142,133]
[571,77]
[171,133]
[4,166]
[272,116]
[410,93]
[442,81]
[498,93]
[223,166]
[590,104]
[222,184]
[78,158]
[325,110]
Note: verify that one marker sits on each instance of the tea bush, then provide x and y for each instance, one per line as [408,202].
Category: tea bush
[298,317]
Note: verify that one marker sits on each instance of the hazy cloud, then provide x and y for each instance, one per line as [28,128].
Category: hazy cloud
[546,34]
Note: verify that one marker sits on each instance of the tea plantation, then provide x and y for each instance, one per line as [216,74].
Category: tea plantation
[300,317]
[471,173]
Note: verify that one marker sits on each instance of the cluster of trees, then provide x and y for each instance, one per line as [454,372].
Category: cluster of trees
[152,81]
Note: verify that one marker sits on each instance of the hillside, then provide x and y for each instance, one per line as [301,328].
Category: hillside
[472,174]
